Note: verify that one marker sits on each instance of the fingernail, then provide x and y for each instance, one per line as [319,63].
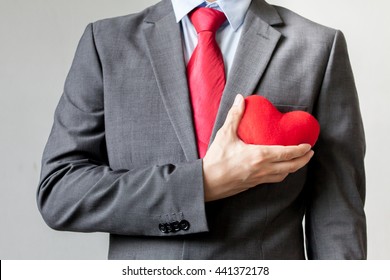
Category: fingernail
[237,100]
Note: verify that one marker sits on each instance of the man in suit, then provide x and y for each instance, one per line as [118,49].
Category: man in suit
[124,155]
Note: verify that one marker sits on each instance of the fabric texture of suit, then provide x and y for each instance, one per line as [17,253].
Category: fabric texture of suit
[122,158]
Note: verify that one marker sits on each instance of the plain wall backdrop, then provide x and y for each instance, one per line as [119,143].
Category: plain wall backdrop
[37,42]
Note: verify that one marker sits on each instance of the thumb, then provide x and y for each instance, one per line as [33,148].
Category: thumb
[235,114]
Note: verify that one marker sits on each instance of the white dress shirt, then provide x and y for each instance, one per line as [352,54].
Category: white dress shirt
[228,36]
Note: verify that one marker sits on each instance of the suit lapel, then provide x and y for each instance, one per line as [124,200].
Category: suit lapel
[257,44]
[164,44]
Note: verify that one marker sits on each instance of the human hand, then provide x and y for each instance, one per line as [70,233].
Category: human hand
[230,166]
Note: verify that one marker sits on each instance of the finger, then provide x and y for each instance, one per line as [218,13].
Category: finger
[291,166]
[286,153]
[235,114]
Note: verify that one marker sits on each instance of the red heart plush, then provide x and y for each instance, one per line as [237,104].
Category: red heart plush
[263,124]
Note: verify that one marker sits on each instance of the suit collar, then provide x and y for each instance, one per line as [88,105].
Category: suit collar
[182,8]
[265,12]
[159,11]
[261,8]
[234,10]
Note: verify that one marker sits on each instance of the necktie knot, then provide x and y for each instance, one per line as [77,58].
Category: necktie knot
[207,19]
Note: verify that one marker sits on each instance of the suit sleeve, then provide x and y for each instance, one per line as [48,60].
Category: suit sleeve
[78,190]
[335,219]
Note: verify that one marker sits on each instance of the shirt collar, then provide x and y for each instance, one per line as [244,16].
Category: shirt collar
[234,10]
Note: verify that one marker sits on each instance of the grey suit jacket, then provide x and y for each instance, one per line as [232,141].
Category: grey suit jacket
[121,157]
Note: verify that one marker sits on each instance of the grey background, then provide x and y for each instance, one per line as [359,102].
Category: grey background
[37,43]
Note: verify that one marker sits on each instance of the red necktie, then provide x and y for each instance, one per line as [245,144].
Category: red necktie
[206,74]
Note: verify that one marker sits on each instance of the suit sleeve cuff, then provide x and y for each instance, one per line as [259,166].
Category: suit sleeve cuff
[188,214]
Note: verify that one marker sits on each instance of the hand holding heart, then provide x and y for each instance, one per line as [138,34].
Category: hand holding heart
[231,166]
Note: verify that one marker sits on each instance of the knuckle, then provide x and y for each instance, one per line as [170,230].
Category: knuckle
[254,172]
[260,155]
[249,168]
[264,172]
[282,177]
[283,171]
[292,168]
[223,133]
[276,170]
[234,113]
[284,155]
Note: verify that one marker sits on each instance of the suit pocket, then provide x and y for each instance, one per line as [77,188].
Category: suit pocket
[285,108]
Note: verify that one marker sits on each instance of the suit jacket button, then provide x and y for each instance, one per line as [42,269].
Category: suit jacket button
[175,226]
[168,227]
[163,228]
[184,225]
